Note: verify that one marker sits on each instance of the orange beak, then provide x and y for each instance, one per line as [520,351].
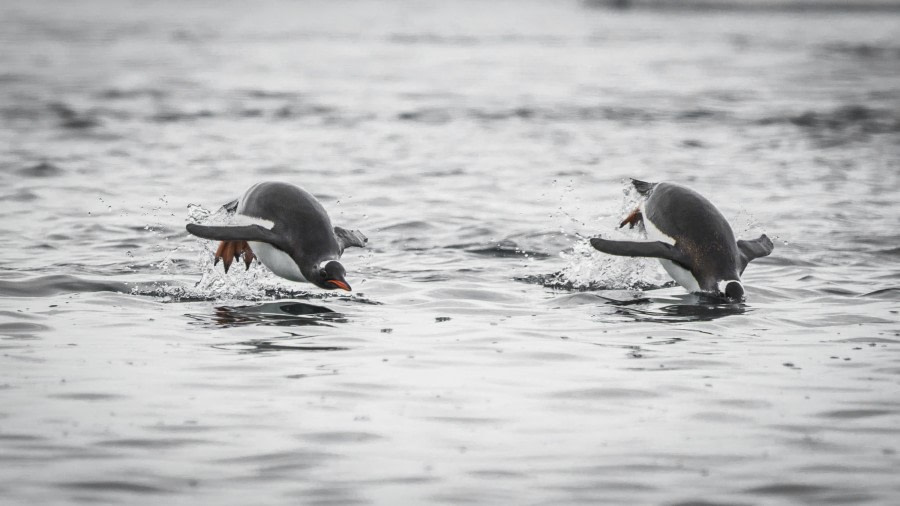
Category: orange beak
[340,284]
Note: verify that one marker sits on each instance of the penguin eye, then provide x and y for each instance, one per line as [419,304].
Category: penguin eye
[323,273]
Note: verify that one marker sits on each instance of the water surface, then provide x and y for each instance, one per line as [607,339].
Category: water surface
[487,355]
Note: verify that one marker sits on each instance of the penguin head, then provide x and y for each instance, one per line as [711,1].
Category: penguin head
[330,275]
[731,289]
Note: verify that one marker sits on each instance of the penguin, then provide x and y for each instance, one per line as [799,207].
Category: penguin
[690,237]
[288,230]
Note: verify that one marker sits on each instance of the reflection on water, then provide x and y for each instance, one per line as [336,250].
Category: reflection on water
[682,308]
[290,342]
[282,314]
[693,309]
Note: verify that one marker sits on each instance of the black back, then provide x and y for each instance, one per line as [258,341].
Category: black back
[699,229]
[299,219]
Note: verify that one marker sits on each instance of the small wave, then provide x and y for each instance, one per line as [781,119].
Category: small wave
[431,38]
[750,5]
[11,77]
[409,226]
[557,112]
[862,51]
[20,195]
[427,115]
[178,116]
[885,293]
[112,106]
[843,124]
[44,286]
[109,486]
[72,119]
[873,120]
[502,249]
[271,94]
[889,252]
[43,169]
[132,93]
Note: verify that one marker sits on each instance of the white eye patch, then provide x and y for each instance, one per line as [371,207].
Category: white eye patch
[243,220]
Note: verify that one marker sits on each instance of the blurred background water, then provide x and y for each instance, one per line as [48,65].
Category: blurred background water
[487,355]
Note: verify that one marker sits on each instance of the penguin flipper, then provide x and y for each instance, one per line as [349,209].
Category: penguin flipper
[757,248]
[347,238]
[241,233]
[653,249]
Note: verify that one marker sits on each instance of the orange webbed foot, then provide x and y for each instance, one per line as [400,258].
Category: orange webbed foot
[228,253]
[247,254]
[632,219]
[229,250]
[219,252]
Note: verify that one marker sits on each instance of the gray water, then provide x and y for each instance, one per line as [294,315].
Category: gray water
[486,355]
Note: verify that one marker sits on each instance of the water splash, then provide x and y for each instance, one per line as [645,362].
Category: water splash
[199,214]
[240,283]
[589,269]
[745,225]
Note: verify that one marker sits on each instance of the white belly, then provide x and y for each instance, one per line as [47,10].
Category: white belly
[277,261]
[681,275]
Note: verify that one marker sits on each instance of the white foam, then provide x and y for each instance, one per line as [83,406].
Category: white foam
[239,283]
[586,267]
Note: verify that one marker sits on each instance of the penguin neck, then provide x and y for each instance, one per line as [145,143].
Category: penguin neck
[311,269]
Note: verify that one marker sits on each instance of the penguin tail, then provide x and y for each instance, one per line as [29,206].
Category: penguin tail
[642,187]
[231,207]
[757,248]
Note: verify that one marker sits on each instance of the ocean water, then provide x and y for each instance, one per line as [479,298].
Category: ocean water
[487,355]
